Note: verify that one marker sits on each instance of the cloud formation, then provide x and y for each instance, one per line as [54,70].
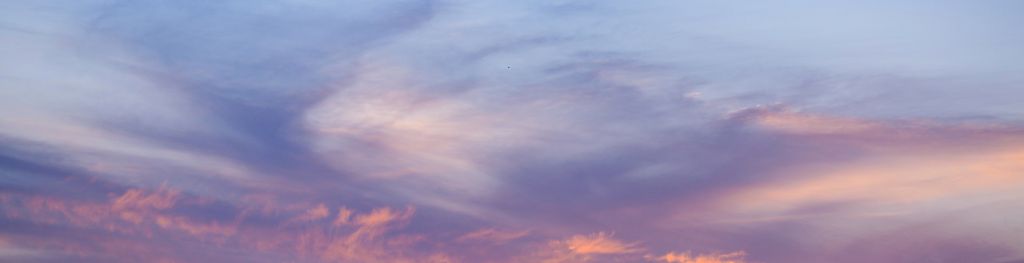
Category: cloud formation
[528,131]
[686,257]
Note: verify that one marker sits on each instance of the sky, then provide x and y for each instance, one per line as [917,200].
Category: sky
[693,131]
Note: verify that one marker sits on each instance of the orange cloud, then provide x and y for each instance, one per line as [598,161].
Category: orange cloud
[382,216]
[363,239]
[898,173]
[603,247]
[887,182]
[900,165]
[789,121]
[580,248]
[598,243]
[687,257]
[138,199]
[131,212]
[350,237]
[193,227]
[344,216]
[320,211]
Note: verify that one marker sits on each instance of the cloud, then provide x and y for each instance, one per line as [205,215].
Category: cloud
[137,199]
[687,257]
[598,243]
[366,242]
[383,216]
[140,214]
[788,121]
[603,247]
[897,163]
[320,211]
[137,215]
[344,216]
[456,131]
[492,235]
[133,212]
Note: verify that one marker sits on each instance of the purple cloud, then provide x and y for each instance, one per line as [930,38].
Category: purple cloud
[449,131]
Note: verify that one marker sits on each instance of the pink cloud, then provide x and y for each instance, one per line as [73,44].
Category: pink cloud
[687,257]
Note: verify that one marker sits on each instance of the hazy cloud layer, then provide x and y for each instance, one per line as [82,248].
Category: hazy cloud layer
[525,131]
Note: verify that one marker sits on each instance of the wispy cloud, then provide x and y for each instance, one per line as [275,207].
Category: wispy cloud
[528,131]
[686,257]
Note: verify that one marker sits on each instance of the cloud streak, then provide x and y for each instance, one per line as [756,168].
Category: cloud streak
[533,131]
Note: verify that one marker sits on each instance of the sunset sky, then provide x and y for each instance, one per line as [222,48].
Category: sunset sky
[549,131]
